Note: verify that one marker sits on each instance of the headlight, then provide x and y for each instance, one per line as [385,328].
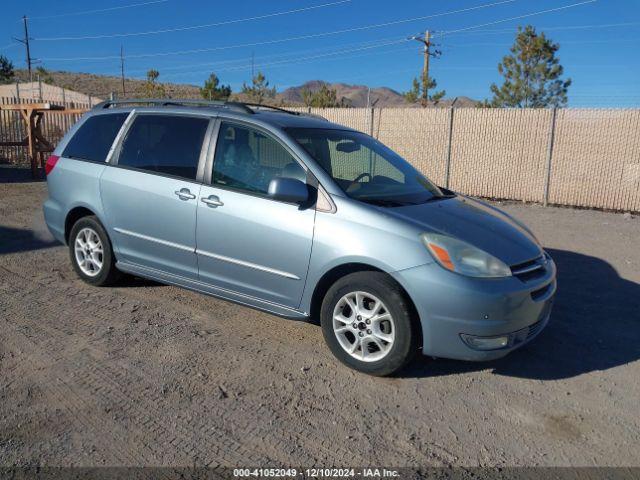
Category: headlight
[460,257]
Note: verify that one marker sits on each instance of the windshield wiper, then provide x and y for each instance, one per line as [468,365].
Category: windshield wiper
[381,202]
[440,197]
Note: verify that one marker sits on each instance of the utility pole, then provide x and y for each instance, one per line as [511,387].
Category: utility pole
[425,67]
[25,42]
[124,93]
[252,66]
[426,41]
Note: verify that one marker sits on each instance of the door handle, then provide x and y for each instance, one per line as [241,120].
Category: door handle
[212,201]
[184,194]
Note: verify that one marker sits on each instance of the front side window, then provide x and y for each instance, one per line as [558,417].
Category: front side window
[94,138]
[164,144]
[364,168]
[247,159]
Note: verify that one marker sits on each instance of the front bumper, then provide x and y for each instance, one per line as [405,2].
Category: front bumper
[450,305]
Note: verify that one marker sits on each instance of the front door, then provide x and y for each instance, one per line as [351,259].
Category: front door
[150,197]
[247,242]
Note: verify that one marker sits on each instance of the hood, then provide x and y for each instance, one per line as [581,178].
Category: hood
[476,223]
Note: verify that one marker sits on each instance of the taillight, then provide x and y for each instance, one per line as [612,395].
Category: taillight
[51,162]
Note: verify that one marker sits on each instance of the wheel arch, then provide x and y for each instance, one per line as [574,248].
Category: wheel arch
[75,214]
[339,271]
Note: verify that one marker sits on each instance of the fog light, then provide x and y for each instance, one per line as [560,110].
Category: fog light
[485,343]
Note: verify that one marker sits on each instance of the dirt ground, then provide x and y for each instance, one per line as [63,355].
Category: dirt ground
[146,374]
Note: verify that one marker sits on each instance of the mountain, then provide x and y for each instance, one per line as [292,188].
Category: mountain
[100,86]
[356,95]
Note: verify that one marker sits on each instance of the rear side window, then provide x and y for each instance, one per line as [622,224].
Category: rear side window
[94,138]
[164,144]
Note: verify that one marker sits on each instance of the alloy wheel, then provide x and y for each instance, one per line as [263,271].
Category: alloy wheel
[363,326]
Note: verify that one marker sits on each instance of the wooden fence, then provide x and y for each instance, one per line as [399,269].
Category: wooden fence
[13,129]
[575,157]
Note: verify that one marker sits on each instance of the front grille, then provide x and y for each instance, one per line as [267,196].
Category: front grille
[527,333]
[534,329]
[541,292]
[529,270]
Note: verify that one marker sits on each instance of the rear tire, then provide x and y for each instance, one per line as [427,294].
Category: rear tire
[91,253]
[367,323]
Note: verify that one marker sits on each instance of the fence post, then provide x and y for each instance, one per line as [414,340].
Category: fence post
[547,179]
[64,98]
[371,118]
[18,91]
[447,168]
[90,101]
[39,88]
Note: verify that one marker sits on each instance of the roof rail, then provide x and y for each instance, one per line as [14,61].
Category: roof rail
[242,107]
[270,107]
[239,107]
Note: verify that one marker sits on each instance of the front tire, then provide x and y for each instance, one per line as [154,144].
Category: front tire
[91,253]
[367,323]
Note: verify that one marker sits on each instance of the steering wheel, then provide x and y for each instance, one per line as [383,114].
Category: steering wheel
[358,178]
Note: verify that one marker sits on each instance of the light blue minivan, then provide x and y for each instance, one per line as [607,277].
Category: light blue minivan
[291,214]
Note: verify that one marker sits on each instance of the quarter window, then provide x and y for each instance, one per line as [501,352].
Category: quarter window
[247,159]
[94,138]
[164,144]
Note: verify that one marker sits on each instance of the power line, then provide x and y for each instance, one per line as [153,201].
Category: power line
[563,42]
[99,10]
[370,43]
[195,27]
[555,28]
[540,12]
[288,39]
[298,59]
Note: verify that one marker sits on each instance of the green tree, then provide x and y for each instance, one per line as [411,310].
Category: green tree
[212,89]
[6,70]
[45,75]
[324,97]
[532,74]
[417,93]
[151,87]
[259,89]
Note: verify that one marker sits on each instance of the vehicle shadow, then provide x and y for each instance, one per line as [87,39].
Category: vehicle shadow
[14,240]
[17,174]
[595,325]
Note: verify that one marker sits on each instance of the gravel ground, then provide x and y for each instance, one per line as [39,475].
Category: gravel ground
[146,374]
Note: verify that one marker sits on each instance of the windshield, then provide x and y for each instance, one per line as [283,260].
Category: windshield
[365,169]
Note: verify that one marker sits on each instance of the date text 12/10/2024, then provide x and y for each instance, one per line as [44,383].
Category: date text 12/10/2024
[315,473]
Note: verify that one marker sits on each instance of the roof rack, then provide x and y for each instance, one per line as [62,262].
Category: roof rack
[242,107]
[167,102]
[280,109]
[263,106]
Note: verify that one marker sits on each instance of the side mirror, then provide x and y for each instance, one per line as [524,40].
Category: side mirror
[288,190]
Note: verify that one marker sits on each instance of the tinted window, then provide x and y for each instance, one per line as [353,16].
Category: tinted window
[365,169]
[248,159]
[94,138]
[164,144]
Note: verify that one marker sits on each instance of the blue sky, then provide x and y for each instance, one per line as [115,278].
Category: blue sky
[332,40]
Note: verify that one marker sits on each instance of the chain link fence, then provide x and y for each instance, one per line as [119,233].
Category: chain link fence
[575,157]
